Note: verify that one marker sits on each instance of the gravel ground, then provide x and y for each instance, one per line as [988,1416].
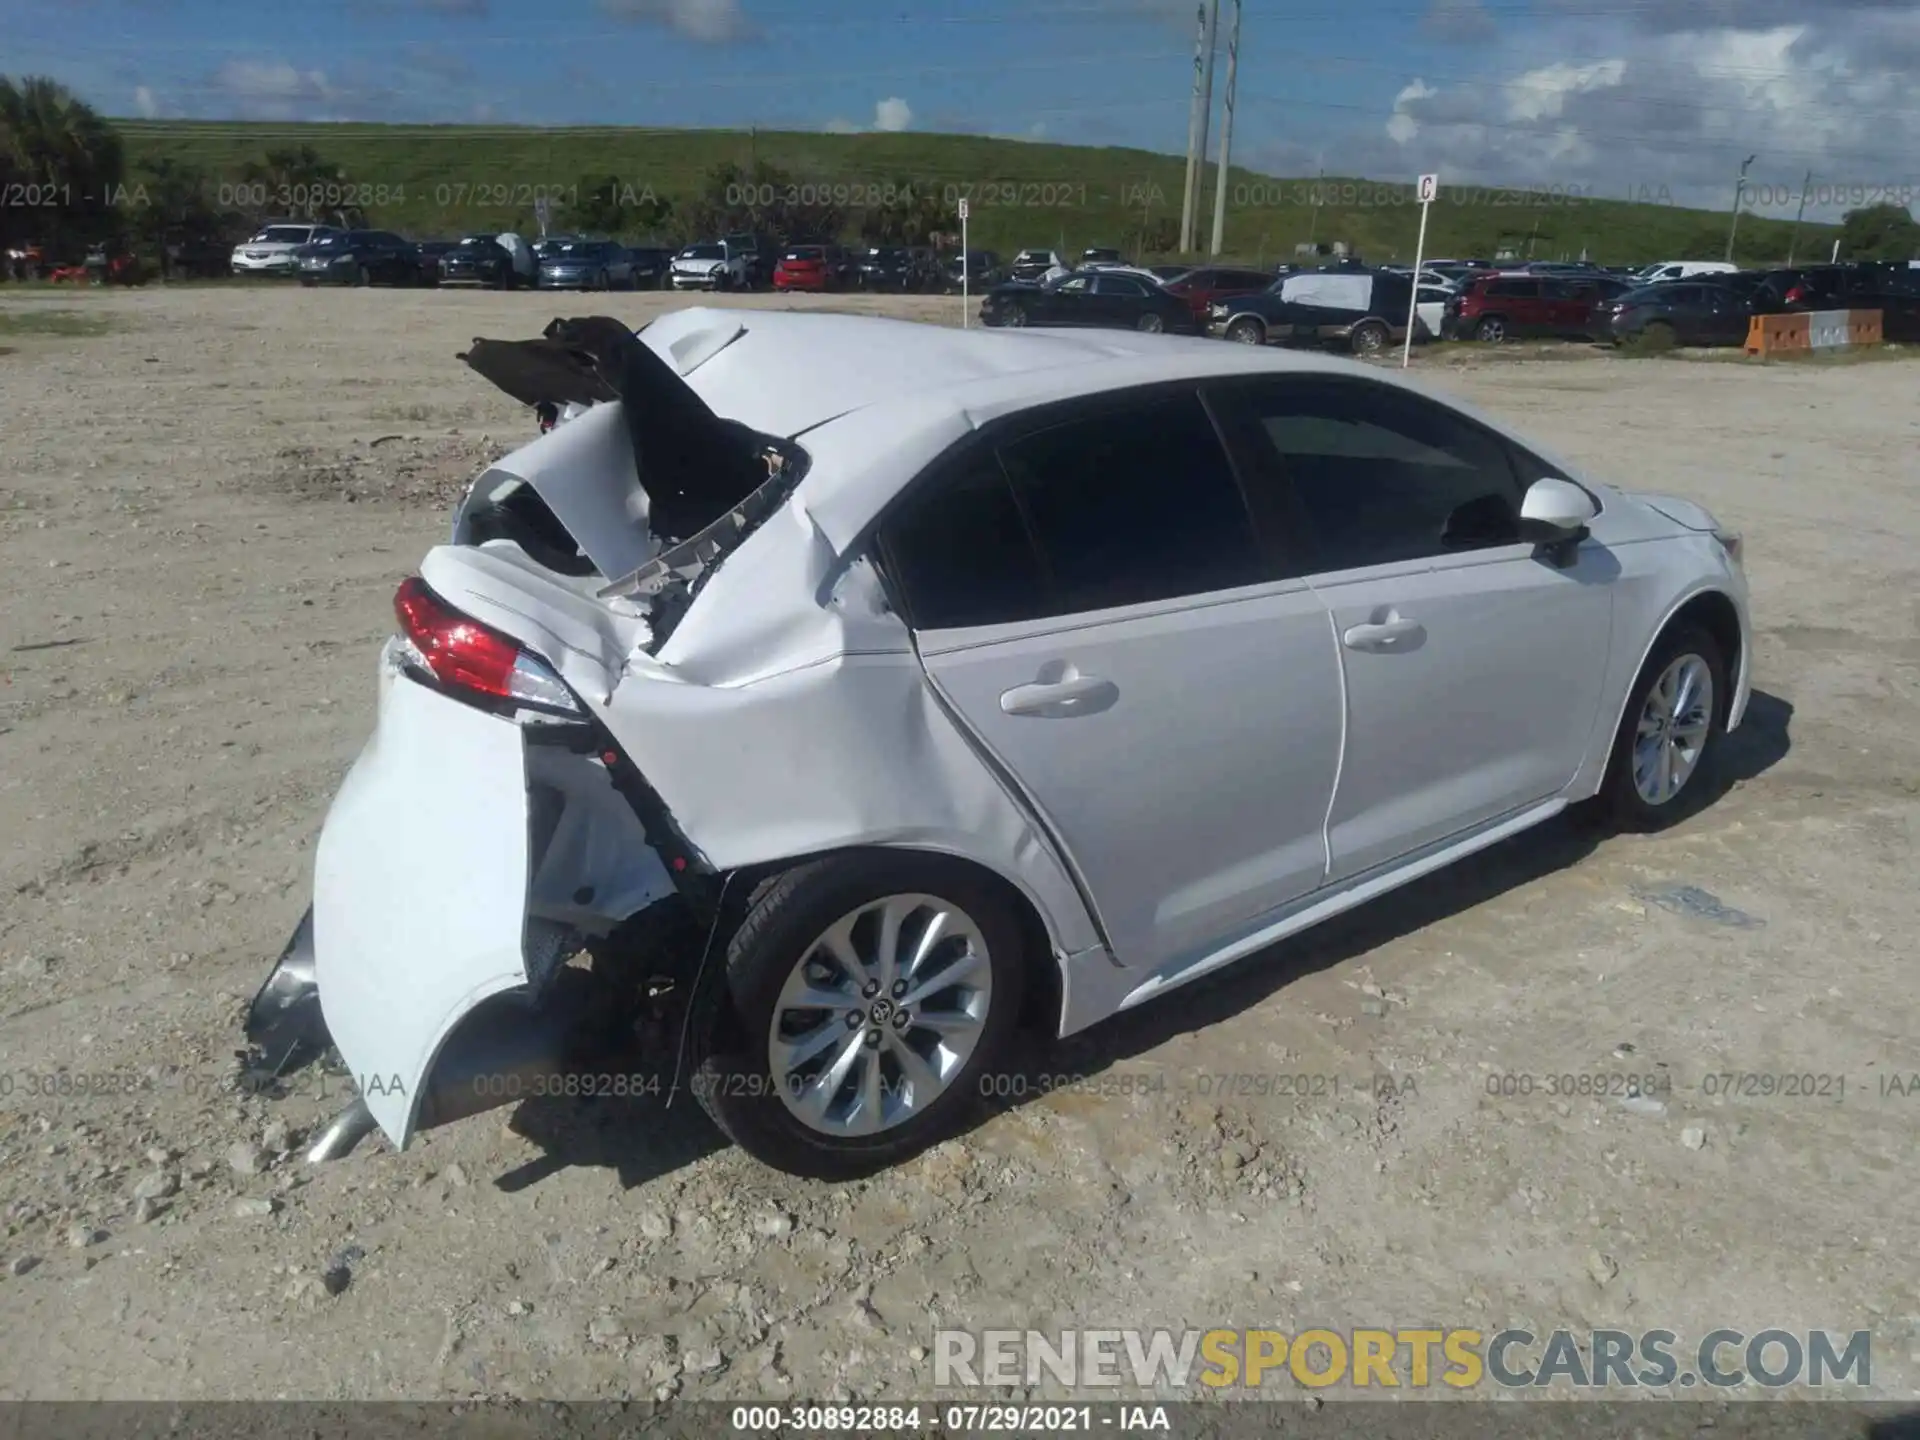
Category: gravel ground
[203,514]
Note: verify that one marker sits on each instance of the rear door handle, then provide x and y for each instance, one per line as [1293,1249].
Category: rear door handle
[1386,635]
[1080,695]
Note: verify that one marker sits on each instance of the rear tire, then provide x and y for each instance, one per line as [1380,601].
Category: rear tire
[1658,335]
[1150,324]
[1368,338]
[782,1079]
[1686,665]
[1490,331]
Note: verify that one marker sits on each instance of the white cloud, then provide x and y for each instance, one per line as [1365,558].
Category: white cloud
[1672,111]
[1540,94]
[144,103]
[1401,126]
[712,21]
[274,90]
[889,116]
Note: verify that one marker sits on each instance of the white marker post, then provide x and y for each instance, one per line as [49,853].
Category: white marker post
[542,212]
[1429,187]
[966,308]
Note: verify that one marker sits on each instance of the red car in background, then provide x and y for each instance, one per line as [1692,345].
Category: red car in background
[1201,287]
[1514,306]
[807,267]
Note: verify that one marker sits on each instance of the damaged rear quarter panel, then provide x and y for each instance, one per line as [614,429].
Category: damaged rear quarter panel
[789,716]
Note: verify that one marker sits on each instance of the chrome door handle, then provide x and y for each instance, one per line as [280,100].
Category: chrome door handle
[1058,697]
[1386,635]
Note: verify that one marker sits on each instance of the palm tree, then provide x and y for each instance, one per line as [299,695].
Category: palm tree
[59,151]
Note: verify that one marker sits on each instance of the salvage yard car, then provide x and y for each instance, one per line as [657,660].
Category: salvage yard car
[1105,298]
[711,266]
[498,262]
[872,689]
[1360,311]
[358,257]
[574,264]
[270,251]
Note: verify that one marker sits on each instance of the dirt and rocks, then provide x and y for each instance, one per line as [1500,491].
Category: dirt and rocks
[203,514]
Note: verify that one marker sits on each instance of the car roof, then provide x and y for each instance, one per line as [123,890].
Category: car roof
[877,398]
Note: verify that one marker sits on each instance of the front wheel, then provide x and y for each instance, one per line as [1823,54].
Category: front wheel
[1016,316]
[1150,324]
[1247,331]
[1675,715]
[866,1000]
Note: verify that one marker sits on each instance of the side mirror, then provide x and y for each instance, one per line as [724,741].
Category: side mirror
[1555,513]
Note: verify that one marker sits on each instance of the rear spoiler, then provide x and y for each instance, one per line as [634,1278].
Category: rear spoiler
[694,465]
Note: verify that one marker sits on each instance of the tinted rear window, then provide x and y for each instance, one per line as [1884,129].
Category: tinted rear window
[962,554]
[1134,506]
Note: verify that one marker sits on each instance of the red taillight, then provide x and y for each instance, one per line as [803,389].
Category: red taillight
[464,655]
[458,649]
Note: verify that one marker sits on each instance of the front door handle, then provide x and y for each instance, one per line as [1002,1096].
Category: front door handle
[1076,695]
[1385,635]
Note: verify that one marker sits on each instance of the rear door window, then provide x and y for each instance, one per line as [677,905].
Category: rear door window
[961,551]
[1134,504]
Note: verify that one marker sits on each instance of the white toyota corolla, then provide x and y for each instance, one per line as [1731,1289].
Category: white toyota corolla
[869,688]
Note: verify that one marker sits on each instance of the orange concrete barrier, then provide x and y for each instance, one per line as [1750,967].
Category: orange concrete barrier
[1813,330]
[1772,334]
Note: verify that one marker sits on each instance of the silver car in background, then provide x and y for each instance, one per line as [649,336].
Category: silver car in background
[271,250]
[568,264]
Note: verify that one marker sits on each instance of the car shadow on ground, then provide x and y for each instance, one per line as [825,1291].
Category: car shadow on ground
[642,1138]
[1760,743]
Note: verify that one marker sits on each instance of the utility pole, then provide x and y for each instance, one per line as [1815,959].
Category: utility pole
[1194,131]
[1739,193]
[1794,241]
[1226,136]
[1313,219]
[1206,115]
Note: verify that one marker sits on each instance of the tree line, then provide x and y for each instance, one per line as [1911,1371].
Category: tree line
[67,185]
[65,174]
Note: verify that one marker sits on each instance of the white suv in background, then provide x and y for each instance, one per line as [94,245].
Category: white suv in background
[270,251]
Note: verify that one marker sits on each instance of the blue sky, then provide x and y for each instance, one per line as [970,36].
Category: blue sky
[1605,96]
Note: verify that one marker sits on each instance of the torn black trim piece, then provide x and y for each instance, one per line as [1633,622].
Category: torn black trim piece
[694,465]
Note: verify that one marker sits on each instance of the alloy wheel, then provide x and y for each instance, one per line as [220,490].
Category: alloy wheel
[1674,725]
[880,1014]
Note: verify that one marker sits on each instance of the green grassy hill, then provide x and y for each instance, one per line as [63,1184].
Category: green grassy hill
[440,180]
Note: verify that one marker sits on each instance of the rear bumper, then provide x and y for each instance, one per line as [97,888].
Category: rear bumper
[458,868]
